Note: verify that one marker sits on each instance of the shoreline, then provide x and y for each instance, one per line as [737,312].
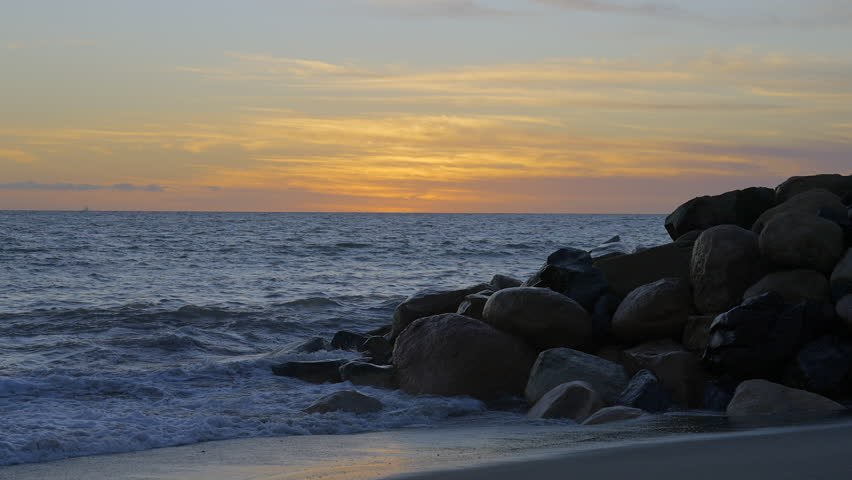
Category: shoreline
[471,452]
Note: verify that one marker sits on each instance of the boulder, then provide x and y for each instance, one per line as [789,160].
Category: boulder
[841,277]
[614,239]
[312,345]
[800,240]
[839,185]
[562,365]
[368,374]
[626,273]
[761,397]
[822,366]
[844,310]
[345,340]
[540,316]
[725,262]
[611,353]
[455,355]
[653,311]
[810,203]
[793,285]
[613,414]
[608,250]
[574,400]
[739,207]
[605,309]
[321,371]
[571,272]
[758,338]
[345,401]
[696,333]
[472,306]
[379,349]
[645,392]
[678,371]
[718,394]
[499,282]
[429,302]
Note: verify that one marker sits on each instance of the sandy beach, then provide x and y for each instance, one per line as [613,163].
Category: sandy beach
[812,452]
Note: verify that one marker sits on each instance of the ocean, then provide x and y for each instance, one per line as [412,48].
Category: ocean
[126,331]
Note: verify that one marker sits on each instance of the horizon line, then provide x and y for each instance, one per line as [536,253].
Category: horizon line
[317,212]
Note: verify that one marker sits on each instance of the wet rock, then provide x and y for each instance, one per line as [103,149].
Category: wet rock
[574,400]
[368,374]
[756,339]
[725,262]
[761,397]
[798,240]
[809,203]
[614,239]
[379,349]
[499,282]
[841,277]
[380,331]
[455,355]
[321,371]
[678,371]
[844,311]
[312,345]
[837,184]
[472,306]
[822,366]
[613,414]
[739,207]
[696,333]
[626,273]
[571,272]
[793,285]
[428,303]
[718,394]
[653,311]
[562,365]
[346,401]
[611,249]
[645,392]
[605,309]
[345,340]
[610,353]
[540,316]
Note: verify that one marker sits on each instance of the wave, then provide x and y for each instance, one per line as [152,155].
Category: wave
[311,302]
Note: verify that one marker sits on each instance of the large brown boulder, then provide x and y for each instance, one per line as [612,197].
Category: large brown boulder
[430,302]
[841,277]
[574,400]
[455,355]
[561,365]
[801,240]
[793,285]
[811,202]
[761,397]
[653,311]
[834,183]
[725,262]
[544,318]
[678,371]
[740,207]
[626,273]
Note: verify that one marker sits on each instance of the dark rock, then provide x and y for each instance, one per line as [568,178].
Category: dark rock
[499,282]
[614,239]
[611,353]
[613,414]
[841,277]
[311,345]
[760,397]
[574,400]
[838,184]
[571,272]
[544,318]
[346,401]
[368,374]
[321,371]
[718,394]
[380,331]
[653,311]
[605,309]
[609,250]
[725,262]
[455,355]
[756,339]
[793,285]
[811,202]
[822,366]
[427,303]
[344,340]
[379,349]
[561,365]
[739,207]
[801,240]
[472,306]
[626,273]
[696,333]
[679,371]
[645,391]
[844,311]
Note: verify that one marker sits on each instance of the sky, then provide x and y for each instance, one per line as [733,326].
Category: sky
[555,106]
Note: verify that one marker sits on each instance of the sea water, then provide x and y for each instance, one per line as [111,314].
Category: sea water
[124,331]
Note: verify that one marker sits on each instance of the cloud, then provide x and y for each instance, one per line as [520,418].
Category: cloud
[444,8]
[18,156]
[81,187]
[624,7]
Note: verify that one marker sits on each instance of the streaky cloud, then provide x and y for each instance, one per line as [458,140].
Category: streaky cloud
[81,187]
[441,8]
[632,8]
